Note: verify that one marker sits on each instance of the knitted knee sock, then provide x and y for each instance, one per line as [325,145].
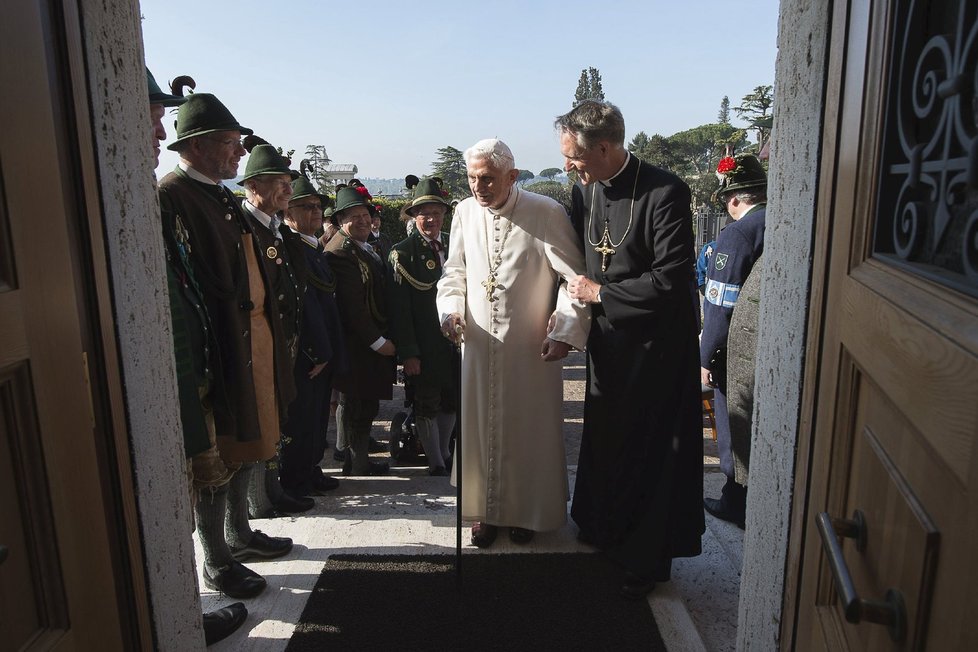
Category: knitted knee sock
[427,430]
[446,423]
[258,500]
[237,530]
[210,509]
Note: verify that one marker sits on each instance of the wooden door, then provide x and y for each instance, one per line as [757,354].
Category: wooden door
[62,576]
[892,392]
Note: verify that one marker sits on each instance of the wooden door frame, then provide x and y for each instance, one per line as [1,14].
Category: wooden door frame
[800,519]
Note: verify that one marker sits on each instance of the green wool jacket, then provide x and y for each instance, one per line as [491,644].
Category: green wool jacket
[415,324]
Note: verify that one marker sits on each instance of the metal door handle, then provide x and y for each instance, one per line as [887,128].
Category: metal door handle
[3,553]
[891,611]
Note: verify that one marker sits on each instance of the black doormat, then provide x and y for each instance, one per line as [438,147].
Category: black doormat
[506,602]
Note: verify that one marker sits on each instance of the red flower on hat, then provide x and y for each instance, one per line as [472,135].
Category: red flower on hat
[727,164]
[363,191]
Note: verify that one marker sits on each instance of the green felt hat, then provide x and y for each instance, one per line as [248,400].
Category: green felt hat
[427,191]
[157,96]
[739,172]
[201,114]
[265,160]
[348,197]
[302,187]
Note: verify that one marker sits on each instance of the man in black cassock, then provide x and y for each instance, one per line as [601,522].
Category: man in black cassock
[639,487]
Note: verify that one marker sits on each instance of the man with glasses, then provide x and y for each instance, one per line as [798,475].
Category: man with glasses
[320,352]
[428,358]
[218,241]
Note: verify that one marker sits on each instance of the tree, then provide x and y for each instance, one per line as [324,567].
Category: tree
[723,116]
[755,108]
[557,191]
[655,149]
[696,152]
[589,86]
[318,161]
[450,166]
[524,176]
[550,173]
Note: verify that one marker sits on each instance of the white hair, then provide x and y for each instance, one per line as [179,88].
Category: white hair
[494,150]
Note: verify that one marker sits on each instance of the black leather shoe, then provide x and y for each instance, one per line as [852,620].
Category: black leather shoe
[376,447]
[721,510]
[221,623]
[636,587]
[520,535]
[262,547]
[483,535]
[234,580]
[287,504]
[323,483]
[339,455]
[439,471]
[373,468]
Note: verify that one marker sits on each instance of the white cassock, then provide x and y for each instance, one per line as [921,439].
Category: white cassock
[514,471]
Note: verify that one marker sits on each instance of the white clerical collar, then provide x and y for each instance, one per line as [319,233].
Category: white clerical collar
[510,204]
[607,182]
[195,175]
[270,222]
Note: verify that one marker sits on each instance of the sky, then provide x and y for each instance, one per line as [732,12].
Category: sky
[383,84]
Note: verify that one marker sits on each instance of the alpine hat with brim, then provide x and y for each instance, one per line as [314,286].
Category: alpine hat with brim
[349,197]
[739,172]
[266,160]
[302,188]
[428,191]
[157,96]
[201,114]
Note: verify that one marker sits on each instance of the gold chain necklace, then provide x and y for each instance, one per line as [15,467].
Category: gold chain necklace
[491,284]
[605,245]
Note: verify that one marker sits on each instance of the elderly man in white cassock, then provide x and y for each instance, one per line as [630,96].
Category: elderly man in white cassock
[504,296]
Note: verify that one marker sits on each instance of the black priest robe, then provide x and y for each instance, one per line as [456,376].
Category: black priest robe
[639,488]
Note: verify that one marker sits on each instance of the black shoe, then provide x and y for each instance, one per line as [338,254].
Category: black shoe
[721,510]
[636,587]
[262,547]
[374,468]
[339,455]
[221,623]
[235,580]
[323,483]
[292,505]
[376,447]
[483,535]
[439,471]
[520,535]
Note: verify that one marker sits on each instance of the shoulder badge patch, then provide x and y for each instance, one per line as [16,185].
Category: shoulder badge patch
[720,261]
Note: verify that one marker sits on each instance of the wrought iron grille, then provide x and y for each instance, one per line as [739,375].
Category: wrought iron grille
[927,219]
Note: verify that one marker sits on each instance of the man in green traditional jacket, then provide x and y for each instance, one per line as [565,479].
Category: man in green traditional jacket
[191,343]
[428,358]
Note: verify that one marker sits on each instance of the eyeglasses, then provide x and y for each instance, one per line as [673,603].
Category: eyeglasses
[227,142]
[306,207]
[427,211]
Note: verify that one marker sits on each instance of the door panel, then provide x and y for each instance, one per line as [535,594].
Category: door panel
[59,582]
[895,412]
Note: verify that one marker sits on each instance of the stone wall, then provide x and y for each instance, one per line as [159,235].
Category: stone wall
[120,124]
[803,33]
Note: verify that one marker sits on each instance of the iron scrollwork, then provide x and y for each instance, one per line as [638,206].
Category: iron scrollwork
[927,220]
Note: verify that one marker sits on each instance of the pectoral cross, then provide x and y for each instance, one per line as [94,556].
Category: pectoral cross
[604,248]
[490,284]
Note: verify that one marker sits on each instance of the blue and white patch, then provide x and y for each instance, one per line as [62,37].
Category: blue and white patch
[722,294]
[720,261]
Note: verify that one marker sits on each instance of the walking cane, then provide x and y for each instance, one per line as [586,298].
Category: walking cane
[457,464]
